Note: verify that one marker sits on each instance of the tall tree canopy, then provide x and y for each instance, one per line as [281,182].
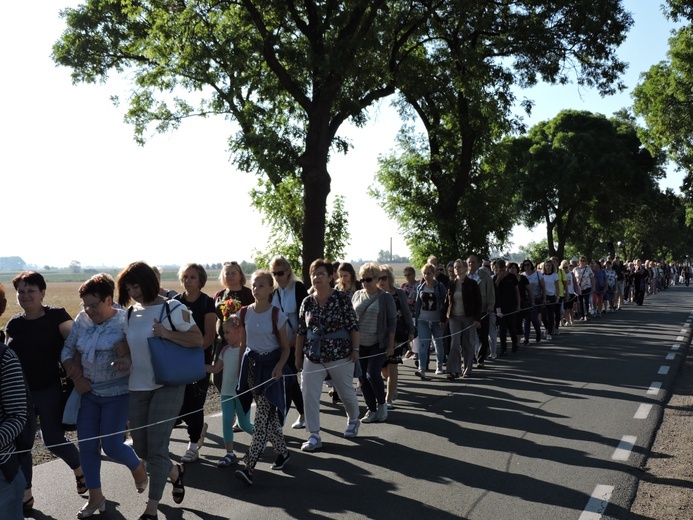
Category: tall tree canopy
[459,85]
[289,73]
[576,169]
[664,98]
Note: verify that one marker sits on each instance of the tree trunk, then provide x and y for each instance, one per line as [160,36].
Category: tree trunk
[316,188]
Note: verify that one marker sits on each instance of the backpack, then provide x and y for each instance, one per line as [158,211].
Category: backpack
[275,320]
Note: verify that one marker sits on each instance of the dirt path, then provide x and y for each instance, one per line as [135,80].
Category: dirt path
[665,491]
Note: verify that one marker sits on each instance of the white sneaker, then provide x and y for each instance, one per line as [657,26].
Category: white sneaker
[382,413]
[548,337]
[300,423]
[439,371]
[352,429]
[370,417]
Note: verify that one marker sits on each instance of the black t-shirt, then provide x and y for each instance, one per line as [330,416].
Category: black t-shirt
[506,296]
[38,344]
[523,284]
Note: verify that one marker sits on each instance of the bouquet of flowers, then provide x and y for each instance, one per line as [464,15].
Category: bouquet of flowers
[229,307]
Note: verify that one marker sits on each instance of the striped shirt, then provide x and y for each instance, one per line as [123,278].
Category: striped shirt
[13,402]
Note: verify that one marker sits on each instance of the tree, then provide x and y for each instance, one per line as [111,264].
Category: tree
[664,98]
[282,207]
[288,73]
[575,167]
[459,85]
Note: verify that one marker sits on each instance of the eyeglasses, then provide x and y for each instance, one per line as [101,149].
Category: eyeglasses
[319,274]
[383,278]
[367,280]
[278,273]
[91,306]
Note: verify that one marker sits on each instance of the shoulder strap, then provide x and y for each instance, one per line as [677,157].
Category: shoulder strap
[168,315]
[129,313]
[275,320]
[241,314]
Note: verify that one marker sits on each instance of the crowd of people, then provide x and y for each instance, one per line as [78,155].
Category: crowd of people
[275,343]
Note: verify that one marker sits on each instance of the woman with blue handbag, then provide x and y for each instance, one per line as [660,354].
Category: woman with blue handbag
[153,405]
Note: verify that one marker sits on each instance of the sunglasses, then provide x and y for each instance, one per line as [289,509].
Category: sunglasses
[278,273]
[383,278]
[367,280]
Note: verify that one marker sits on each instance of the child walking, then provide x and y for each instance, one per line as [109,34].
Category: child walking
[262,369]
[230,361]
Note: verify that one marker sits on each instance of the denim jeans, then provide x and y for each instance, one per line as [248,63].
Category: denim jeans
[11,496]
[430,331]
[101,416]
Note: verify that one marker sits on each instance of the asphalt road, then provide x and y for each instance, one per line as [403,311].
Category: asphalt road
[556,431]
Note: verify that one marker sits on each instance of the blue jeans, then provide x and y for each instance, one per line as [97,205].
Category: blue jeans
[11,496]
[101,416]
[430,331]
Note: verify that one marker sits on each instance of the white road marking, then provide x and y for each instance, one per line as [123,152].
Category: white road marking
[654,388]
[643,411]
[663,370]
[675,346]
[671,356]
[679,338]
[597,503]
[624,449]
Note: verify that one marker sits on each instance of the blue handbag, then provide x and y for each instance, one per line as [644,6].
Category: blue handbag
[173,364]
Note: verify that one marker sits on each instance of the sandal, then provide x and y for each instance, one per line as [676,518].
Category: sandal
[81,484]
[178,492]
[142,485]
[312,443]
[28,505]
[228,460]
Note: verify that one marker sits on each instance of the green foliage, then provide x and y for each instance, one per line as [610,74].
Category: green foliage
[664,98]
[535,251]
[575,173]
[459,85]
[282,208]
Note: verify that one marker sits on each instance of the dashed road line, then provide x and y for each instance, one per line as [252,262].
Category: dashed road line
[625,448]
[671,356]
[675,346]
[663,370]
[643,411]
[654,388]
[597,503]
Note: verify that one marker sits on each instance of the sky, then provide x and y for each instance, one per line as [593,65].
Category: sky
[76,187]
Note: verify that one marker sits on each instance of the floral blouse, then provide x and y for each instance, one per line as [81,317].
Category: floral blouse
[336,315]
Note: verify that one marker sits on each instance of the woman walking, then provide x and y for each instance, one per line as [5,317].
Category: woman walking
[287,297]
[193,278]
[463,310]
[377,316]
[327,340]
[404,333]
[37,335]
[103,388]
[154,406]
